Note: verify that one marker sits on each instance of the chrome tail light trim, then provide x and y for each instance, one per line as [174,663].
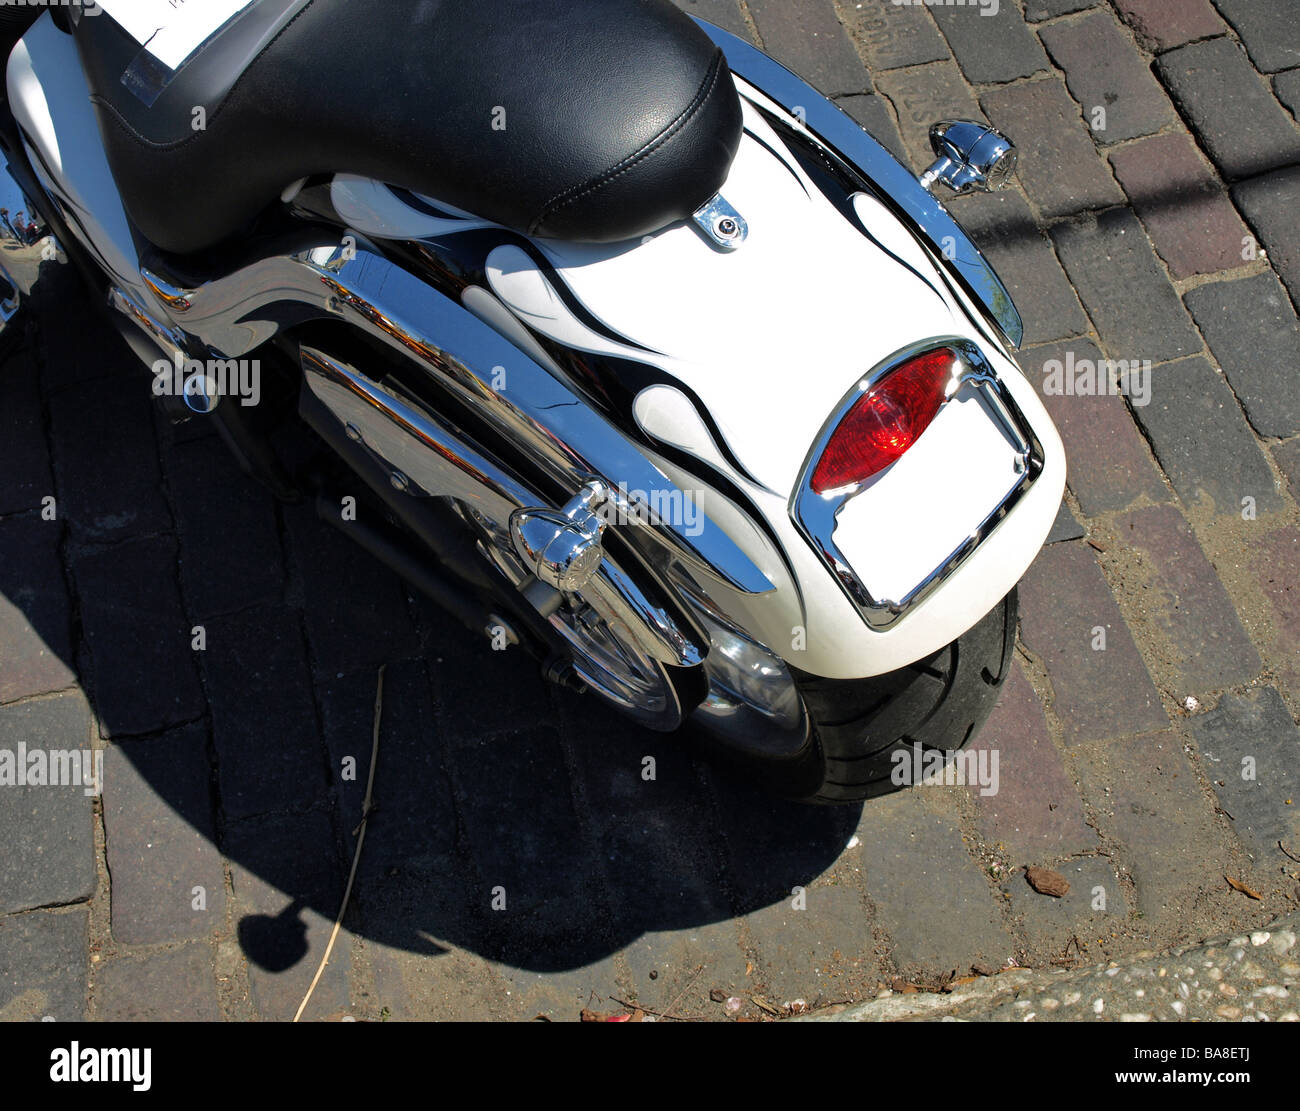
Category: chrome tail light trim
[815,514]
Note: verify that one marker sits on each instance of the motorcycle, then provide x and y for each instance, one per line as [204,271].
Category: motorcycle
[615,338]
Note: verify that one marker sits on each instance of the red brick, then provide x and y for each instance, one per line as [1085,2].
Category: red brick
[1095,692]
[1036,812]
[1188,216]
[1162,24]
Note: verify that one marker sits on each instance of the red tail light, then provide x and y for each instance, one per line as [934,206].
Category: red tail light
[885,421]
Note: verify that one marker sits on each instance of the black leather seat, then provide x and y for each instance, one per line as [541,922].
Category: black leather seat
[619,115]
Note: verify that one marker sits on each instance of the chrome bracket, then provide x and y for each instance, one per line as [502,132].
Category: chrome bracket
[721,224]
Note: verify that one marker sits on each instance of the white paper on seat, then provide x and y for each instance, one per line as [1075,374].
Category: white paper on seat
[171,30]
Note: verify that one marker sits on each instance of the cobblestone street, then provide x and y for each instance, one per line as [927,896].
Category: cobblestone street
[1148,741]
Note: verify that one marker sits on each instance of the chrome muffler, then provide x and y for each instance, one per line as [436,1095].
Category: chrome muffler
[558,551]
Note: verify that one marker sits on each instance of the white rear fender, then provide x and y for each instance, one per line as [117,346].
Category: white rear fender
[757,348]
[746,358]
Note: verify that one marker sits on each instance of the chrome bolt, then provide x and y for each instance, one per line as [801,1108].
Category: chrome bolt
[728,228]
[353,433]
[399,481]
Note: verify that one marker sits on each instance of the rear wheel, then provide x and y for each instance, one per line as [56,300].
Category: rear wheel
[852,729]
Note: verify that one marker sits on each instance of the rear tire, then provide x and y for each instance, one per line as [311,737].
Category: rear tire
[857,725]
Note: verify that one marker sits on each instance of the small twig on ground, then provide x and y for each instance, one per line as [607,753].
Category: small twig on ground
[366,811]
[1288,852]
[694,976]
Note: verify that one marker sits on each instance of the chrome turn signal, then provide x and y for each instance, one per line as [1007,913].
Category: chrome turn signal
[970,156]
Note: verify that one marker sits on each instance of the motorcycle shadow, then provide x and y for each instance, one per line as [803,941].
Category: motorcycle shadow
[511,819]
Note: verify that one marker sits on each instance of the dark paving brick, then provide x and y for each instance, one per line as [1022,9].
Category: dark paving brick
[43,959]
[892,36]
[809,39]
[872,113]
[106,460]
[1113,267]
[1287,88]
[928,894]
[1096,692]
[1148,799]
[798,949]
[78,344]
[675,956]
[990,48]
[659,841]
[230,555]
[1102,70]
[288,882]
[460,663]
[1182,204]
[1038,10]
[24,456]
[561,995]
[161,840]
[722,13]
[172,986]
[413,827]
[47,831]
[1288,458]
[1276,566]
[1110,466]
[1065,527]
[1253,333]
[923,95]
[1269,204]
[1036,813]
[1251,750]
[138,637]
[1045,123]
[1185,600]
[1162,24]
[1004,229]
[450,985]
[263,715]
[1202,440]
[355,608]
[551,918]
[1084,913]
[1230,108]
[1269,29]
[35,630]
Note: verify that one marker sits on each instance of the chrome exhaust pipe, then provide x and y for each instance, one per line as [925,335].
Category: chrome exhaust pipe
[427,456]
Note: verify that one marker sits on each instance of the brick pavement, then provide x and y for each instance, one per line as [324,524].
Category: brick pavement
[1147,739]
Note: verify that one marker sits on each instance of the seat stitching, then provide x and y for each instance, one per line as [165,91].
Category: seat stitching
[582,189]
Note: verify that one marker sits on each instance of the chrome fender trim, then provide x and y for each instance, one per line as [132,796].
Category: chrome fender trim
[888,179]
[525,402]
